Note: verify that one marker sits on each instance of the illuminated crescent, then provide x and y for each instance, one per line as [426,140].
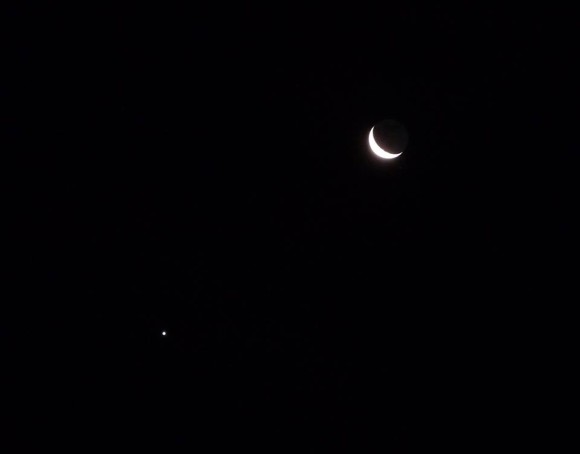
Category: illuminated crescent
[378,150]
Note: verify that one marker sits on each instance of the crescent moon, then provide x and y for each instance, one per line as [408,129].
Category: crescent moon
[378,150]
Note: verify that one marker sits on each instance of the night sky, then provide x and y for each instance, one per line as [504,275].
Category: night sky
[204,171]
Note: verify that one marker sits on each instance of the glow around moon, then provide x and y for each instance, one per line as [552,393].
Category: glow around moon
[378,150]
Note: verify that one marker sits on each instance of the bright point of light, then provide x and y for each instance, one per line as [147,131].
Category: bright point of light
[163,333]
[378,150]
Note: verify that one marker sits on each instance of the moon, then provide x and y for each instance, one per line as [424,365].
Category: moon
[378,150]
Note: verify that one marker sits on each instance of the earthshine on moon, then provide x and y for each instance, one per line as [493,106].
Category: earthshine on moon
[378,150]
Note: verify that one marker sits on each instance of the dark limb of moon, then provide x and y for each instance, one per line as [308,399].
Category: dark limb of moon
[391,136]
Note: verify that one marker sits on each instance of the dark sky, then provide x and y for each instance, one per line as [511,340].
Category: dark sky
[204,170]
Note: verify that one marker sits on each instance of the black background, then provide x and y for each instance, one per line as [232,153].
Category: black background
[204,170]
